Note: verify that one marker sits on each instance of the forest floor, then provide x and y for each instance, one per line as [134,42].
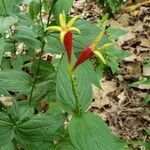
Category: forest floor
[125,108]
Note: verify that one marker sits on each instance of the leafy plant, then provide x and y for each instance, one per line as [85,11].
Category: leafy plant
[110,6]
[39,95]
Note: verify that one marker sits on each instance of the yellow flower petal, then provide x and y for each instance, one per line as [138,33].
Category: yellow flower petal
[98,38]
[99,55]
[105,46]
[72,21]
[62,20]
[62,34]
[57,28]
[74,29]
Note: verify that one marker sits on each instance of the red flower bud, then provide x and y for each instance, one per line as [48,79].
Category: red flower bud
[68,45]
[86,54]
[49,58]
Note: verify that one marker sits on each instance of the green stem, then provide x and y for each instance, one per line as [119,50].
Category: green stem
[36,73]
[75,93]
[3,3]
[50,12]
[14,141]
[41,53]
[11,37]
[11,32]
[41,14]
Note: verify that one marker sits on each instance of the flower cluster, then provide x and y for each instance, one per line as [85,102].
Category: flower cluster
[66,38]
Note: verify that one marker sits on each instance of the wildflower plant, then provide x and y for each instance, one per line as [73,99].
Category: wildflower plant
[44,102]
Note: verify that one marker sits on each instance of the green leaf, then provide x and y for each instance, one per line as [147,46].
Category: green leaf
[45,88]
[143,82]
[88,131]
[20,111]
[46,69]
[113,64]
[114,5]
[84,89]
[91,74]
[146,100]
[28,36]
[60,6]
[65,146]
[6,22]
[100,71]
[113,58]
[53,44]
[14,80]
[18,2]
[36,145]
[34,8]
[65,93]
[88,33]
[9,146]
[147,132]
[17,62]
[114,33]
[6,7]
[27,2]
[9,7]
[147,63]
[24,19]
[54,107]
[114,52]
[6,130]
[40,127]
[5,64]
[8,46]
[4,92]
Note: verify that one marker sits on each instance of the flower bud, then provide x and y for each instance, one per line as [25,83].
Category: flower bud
[86,54]
[68,45]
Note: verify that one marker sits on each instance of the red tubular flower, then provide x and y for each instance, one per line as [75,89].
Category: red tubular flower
[68,45]
[86,54]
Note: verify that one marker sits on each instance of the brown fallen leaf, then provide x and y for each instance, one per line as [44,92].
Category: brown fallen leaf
[125,19]
[146,71]
[125,38]
[132,58]
[142,49]
[100,96]
[146,117]
[133,70]
[144,42]
[122,98]
[6,101]
[137,6]
[114,24]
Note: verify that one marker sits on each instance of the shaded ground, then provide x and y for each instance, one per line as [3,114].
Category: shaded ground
[119,104]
